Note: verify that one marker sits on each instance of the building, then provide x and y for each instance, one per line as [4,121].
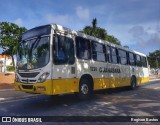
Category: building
[4,62]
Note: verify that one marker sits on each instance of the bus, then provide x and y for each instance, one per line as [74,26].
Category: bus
[55,60]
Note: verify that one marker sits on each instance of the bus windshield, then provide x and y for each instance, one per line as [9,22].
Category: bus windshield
[33,53]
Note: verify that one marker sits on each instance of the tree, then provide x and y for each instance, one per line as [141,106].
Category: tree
[94,23]
[154,59]
[99,32]
[10,37]
[113,39]
[126,46]
[94,30]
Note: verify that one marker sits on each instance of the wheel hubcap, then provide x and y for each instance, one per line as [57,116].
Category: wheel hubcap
[84,89]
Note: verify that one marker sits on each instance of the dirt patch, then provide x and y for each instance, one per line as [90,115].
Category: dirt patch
[6,86]
[7,80]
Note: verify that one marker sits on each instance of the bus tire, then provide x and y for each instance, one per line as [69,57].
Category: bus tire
[133,83]
[85,89]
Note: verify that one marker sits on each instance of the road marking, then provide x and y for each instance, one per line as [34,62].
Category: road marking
[157,88]
[107,103]
[12,99]
[104,103]
[154,80]
[6,90]
[2,99]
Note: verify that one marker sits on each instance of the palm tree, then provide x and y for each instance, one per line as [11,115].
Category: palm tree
[94,23]
[99,32]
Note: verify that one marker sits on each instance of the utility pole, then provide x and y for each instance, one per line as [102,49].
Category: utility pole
[4,63]
[157,57]
[157,61]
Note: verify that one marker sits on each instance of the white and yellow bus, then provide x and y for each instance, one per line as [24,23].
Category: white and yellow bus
[55,60]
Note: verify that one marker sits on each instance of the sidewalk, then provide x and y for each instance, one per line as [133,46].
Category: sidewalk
[7,91]
[7,80]
[154,77]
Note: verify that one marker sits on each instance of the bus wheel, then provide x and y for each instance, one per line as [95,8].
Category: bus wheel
[85,90]
[133,83]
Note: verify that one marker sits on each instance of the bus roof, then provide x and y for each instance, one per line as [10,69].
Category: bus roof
[67,30]
[61,28]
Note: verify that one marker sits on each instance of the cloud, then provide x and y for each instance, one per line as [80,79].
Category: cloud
[137,31]
[18,21]
[82,13]
[58,19]
[133,12]
[146,39]
[154,41]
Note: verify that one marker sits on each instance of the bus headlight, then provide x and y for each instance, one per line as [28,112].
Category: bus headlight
[43,77]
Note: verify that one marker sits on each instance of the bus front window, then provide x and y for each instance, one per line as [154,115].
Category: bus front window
[33,53]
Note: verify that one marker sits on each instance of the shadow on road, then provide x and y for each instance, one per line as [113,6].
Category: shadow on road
[116,102]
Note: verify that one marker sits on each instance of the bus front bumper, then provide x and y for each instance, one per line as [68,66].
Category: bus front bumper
[41,88]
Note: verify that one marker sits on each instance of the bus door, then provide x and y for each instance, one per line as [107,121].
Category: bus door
[63,70]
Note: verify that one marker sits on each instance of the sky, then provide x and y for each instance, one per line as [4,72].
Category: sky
[136,23]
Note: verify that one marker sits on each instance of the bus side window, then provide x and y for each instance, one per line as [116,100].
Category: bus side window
[122,57]
[114,55]
[108,52]
[144,61]
[131,59]
[138,61]
[83,48]
[63,48]
[98,52]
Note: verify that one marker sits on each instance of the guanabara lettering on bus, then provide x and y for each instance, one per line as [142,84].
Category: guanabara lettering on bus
[55,60]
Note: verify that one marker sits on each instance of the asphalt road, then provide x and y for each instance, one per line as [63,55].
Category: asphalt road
[144,101]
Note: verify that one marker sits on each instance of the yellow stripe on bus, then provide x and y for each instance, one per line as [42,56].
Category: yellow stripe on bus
[62,86]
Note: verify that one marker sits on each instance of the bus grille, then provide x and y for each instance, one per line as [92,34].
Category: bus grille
[27,86]
[28,81]
[29,75]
